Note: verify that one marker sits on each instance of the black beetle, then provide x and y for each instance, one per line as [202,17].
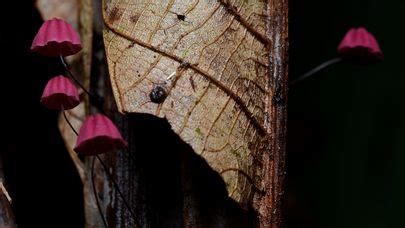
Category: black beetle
[158,94]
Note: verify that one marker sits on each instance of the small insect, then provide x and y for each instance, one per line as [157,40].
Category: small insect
[192,83]
[134,18]
[158,94]
[181,17]
[131,45]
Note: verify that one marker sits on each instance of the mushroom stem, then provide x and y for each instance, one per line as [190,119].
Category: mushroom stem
[96,100]
[92,175]
[68,122]
[95,194]
[72,76]
[316,70]
[118,190]
[109,176]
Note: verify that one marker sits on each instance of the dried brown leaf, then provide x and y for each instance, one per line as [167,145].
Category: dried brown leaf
[216,99]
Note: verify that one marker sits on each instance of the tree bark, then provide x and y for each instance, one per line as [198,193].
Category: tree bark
[276,126]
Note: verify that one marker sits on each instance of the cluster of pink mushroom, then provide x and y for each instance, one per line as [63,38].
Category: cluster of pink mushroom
[98,134]
[358,46]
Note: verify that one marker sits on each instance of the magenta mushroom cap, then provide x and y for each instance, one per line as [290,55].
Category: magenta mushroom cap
[360,46]
[56,37]
[60,93]
[98,135]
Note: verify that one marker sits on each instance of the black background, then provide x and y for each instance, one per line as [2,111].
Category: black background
[345,136]
[346,125]
[41,178]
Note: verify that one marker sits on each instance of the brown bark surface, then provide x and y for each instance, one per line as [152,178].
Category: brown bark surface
[274,162]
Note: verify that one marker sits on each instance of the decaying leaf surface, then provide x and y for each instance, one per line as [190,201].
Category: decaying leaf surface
[217,98]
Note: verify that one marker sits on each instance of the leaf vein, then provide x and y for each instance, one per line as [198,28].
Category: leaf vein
[262,38]
[216,82]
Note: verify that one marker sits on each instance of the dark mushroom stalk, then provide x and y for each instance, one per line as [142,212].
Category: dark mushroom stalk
[95,100]
[358,46]
[95,193]
[100,211]
[317,69]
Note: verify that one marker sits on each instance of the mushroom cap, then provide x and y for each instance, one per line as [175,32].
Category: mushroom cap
[60,93]
[98,135]
[56,37]
[360,46]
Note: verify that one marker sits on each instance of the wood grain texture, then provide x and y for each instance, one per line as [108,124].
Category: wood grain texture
[273,174]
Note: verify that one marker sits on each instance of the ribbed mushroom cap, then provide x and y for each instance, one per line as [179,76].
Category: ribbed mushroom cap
[360,46]
[60,93]
[56,37]
[98,135]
